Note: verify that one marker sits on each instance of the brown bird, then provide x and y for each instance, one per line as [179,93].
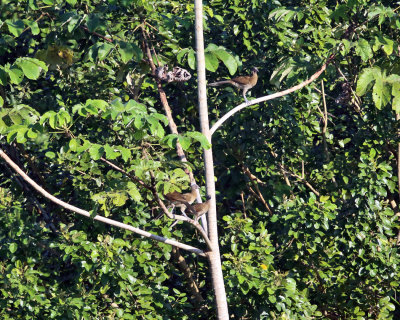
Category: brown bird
[180,199]
[199,209]
[244,83]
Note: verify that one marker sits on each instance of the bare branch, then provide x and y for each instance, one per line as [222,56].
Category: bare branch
[285,169]
[270,97]
[196,225]
[97,217]
[325,117]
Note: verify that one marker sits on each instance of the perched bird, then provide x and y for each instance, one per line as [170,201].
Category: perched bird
[180,199]
[244,83]
[199,209]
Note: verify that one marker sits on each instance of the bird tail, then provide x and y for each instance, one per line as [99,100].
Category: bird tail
[219,83]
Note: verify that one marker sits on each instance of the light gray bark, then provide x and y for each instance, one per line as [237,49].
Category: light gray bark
[213,256]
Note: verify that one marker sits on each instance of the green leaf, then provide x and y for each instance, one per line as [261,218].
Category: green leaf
[33,25]
[198,136]
[396,104]
[21,134]
[74,144]
[367,76]
[16,74]
[128,51]
[381,93]
[227,59]
[92,22]
[184,141]
[110,153]
[191,59]
[72,2]
[31,134]
[211,62]
[134,192]
[1,101]
[13,247]
[104,50]
[181,54]
[119,199]
[50,154]
[125,153]
[290,285]
[96,151]
[97,103]
[363,49]
[171,140]
[3,77]
[74,21]
[15,27]
[31,67]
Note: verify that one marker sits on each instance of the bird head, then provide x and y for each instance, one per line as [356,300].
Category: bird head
[254,69]
[194,186]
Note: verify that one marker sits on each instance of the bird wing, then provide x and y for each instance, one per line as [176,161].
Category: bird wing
[174,196]
[242,80]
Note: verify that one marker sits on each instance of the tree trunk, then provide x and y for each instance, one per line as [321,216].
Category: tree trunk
[214,255]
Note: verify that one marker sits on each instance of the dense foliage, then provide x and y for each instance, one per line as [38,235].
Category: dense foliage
[308,184]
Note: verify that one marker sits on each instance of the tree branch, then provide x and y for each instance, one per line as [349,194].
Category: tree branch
[96,34]
[299,178]
[97,217]
[184,268]
[171,122]
[271,96]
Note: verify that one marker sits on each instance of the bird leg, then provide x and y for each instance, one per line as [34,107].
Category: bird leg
[244,96]
[173,225]
[183,212]
[173,208]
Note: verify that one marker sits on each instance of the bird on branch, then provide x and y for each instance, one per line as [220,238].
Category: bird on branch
[179,200]
[199,209]
[244,83]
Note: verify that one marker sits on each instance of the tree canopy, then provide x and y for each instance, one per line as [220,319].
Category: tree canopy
[307,184]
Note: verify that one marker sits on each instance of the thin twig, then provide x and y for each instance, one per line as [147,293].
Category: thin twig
[398,172]
[243,204]
[132,177]
[253,180]
[325,117]
[299,178]
[96,34]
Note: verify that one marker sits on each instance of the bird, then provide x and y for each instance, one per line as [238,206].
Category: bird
[244,83]
[180,199]
[199,209]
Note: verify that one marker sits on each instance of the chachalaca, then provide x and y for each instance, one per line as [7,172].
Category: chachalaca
[179,199]
[244,83]
[199,209]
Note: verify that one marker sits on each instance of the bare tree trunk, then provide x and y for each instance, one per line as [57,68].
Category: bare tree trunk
[214,256]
